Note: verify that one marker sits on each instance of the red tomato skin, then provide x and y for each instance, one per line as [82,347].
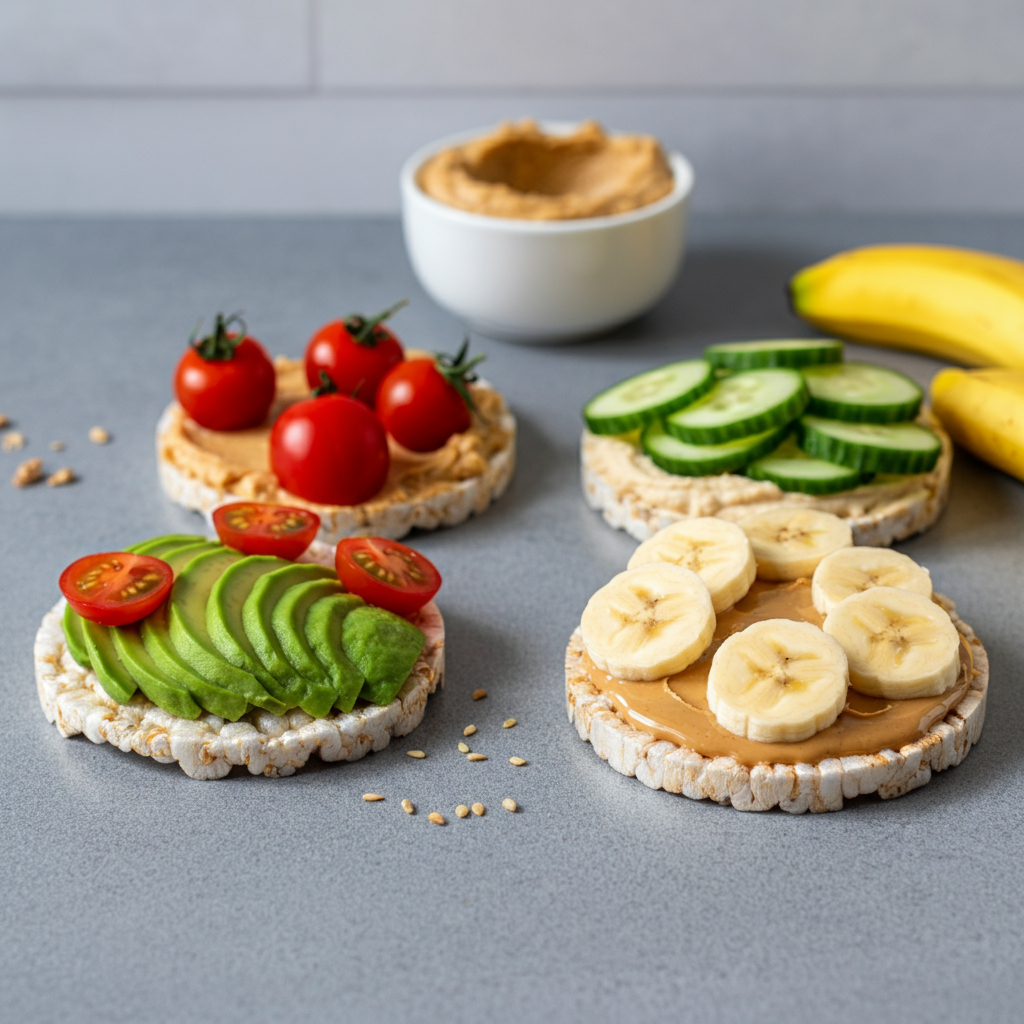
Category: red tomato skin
[401,599]
[356,370]
[100,608]
[227,394]
[419,408]
[331,450]
[260,528]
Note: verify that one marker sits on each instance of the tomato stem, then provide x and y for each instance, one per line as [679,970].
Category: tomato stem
[219,344]
[458,371]
[326,386]
[365,330]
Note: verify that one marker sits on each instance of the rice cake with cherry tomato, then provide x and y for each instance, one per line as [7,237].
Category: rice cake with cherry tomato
[633,494]
[209,747]
[201,469]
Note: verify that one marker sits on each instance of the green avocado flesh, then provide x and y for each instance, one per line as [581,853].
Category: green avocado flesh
[241,632]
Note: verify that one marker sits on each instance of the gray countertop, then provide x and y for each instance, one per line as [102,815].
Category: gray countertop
[129,892]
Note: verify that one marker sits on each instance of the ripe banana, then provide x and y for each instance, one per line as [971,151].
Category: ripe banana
[716,550]
[649,622]
[953,304]
[778,681]
[899,645]
[789,543]
[983,410]
[854,570]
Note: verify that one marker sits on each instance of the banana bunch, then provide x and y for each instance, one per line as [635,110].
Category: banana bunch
[778,680]
[983,410]
[953,304]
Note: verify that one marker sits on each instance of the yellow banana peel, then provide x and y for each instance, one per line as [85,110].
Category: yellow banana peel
[983,410]
[953,304]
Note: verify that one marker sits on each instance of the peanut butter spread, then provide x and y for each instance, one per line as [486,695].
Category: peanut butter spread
[676,708]
[237,462]
[520,173]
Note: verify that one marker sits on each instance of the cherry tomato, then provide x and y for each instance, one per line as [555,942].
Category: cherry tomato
[256,528]
[330,449]
[422,402]
[226,381]
[115,588]
[355,353]
[386,573]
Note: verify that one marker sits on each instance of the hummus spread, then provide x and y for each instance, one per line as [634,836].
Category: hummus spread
[237,463]
[520,173]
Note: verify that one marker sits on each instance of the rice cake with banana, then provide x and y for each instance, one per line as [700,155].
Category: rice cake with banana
[835,673]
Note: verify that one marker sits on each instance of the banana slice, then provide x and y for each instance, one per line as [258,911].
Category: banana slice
[716,550]
[899,644]
[649,622]
[854,570]
[778,681]
[789,543]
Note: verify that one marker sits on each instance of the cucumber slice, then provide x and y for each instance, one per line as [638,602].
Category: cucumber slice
[642,399]
[794,470]
[684,459]
[793,352]
[740,405]
[872,447]
[862,393]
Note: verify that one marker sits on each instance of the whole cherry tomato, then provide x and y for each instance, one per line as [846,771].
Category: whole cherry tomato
[258,528]
[386,573]
[115,588]
[225,381]
[355,353]
[330,449]
[422,402]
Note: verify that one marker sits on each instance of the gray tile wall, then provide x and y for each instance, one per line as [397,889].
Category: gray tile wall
[309,106]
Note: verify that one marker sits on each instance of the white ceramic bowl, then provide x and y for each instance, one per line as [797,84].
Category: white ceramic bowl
[543,281]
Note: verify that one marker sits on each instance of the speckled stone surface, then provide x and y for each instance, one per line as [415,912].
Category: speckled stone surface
[129,892]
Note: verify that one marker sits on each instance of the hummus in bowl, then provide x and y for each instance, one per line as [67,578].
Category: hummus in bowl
[201,469]
[540,234]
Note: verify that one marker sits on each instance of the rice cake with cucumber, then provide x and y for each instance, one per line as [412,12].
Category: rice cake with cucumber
[757,425]
[173,689]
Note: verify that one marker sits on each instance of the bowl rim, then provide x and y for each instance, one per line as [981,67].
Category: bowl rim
[682,174]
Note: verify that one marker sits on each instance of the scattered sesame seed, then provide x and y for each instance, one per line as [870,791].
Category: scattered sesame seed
[435,818]
[372,798]
[476,757]
[479,694]
[517,761]
[56,446]
[4,421]
[509,804]
[462,811]
[28,472]
[408,807]
[415,753]
[508,723]
[469,730]
[478,810]
[98,435]
[13,441]
[61,477]
[463,748]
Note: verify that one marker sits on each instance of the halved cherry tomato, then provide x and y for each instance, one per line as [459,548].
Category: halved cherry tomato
[331,450]
[257,528]
[355,353]
[225,381]
[386,573]
[115,588]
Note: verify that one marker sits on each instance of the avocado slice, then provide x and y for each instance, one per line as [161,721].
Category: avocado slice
[224,620]
[384,647]
[289,623]
[187,620]
[75,637]
[155,631]
[323,633]
[109,669]
[159,687]
[315,697]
